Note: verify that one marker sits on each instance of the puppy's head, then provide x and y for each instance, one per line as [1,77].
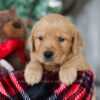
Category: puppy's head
[54,39]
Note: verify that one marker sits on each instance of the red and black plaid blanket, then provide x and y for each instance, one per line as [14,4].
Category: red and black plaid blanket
[14,87]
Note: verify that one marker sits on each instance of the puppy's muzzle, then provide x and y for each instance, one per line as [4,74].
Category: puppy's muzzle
[48,54]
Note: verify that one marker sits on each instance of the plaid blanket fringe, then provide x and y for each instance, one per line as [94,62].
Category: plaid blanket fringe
[14,87]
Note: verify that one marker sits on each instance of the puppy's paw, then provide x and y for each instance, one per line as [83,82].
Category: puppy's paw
[68,75]
[33,73]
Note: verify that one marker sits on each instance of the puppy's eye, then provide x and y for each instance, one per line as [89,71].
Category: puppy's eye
[40,38]
[61,39]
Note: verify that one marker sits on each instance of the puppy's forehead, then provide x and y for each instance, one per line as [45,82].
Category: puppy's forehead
[54,23]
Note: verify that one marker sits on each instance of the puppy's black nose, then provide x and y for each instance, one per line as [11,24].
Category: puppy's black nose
[48,54]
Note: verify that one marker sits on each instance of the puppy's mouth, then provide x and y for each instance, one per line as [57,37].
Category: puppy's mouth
[49,61]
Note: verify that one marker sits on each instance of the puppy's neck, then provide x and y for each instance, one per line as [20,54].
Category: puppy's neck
[52,68]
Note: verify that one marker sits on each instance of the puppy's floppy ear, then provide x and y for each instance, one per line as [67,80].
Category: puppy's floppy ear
[31,43]
[77,45]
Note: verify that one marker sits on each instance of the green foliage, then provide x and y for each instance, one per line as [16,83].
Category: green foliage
[33,9]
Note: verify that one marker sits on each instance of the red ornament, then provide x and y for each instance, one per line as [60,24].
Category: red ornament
[10,46]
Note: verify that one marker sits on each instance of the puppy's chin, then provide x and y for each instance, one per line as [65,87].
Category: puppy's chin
[48,62]
[51,63]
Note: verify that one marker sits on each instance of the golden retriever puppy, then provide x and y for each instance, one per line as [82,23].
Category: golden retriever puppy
[55,45]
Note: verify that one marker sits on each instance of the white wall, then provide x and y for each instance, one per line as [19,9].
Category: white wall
[88,21]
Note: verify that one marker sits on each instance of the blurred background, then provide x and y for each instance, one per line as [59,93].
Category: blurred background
[84,13]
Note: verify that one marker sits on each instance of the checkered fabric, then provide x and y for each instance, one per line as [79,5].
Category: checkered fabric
[14,87]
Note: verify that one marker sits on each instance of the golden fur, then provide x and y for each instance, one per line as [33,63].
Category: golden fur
[67,58]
